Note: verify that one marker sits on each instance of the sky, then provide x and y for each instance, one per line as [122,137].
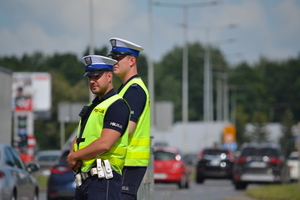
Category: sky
[256,28]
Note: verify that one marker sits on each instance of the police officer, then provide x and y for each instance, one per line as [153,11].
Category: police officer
[98,151]
[134,91]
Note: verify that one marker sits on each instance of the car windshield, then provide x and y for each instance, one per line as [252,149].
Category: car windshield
[47,158]
[251,151]
[62,159]
[164,155]
[293,158]
[214,152]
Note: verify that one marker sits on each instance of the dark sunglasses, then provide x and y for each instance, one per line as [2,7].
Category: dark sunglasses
[118,58]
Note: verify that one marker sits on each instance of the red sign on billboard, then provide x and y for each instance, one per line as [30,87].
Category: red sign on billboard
[23,104]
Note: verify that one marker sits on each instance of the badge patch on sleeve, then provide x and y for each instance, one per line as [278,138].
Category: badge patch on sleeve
[116,125]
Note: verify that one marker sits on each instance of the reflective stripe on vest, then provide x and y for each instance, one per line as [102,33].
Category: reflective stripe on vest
[93,131]
[138,152]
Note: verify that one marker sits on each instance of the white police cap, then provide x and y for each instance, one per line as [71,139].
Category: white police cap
[95,64]
[121,47]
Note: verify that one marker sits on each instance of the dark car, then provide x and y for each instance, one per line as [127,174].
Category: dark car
[61,183]
[169,167]
[214,163]
[260,163]
[46,159]
[16,179]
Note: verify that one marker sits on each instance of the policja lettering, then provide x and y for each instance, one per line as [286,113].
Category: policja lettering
[116,124]
[99,110]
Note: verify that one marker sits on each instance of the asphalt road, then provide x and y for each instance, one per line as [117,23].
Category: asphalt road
[209,190]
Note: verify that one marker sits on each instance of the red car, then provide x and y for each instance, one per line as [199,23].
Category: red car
[169,167]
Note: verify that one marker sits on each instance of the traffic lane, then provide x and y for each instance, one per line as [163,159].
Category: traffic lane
[213,189]
[209,190]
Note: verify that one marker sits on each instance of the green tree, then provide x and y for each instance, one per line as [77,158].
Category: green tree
[168,79]
[241,121]
[260,133]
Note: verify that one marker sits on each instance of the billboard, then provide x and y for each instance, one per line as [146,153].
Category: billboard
[31,91]
[31,96]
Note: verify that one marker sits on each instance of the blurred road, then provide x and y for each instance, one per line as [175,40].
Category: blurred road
[210,190]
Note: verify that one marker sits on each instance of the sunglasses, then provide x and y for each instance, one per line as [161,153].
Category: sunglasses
[118,58]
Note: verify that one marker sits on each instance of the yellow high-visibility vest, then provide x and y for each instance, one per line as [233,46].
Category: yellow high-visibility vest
[138,152]
[93,131]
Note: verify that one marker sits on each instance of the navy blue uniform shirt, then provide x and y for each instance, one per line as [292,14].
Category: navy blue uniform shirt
[136,98]
[117,114]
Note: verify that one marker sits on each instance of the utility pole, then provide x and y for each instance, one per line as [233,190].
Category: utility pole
[208,78]
[91,49]
[150,65]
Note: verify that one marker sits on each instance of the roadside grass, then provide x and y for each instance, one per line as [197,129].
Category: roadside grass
[275,192]
[42,181]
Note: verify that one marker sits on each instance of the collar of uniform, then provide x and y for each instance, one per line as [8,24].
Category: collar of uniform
[134,76]
[106,96]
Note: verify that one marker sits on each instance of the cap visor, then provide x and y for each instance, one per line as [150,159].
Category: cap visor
[94,73]
[119,53]
[113,54]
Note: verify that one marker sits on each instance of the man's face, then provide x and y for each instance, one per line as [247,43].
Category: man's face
[123,65]
[99,84]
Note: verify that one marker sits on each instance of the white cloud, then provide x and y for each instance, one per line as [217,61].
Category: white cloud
[283,39]
[289,13]
[247,14]
[264,27]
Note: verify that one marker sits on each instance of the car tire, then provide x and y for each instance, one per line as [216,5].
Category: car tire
[187,183]
[199,179]
[49,198]
[240,185]
[14,195]
[285,175]
[36,195]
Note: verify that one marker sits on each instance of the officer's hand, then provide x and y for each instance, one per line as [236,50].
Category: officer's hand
[71,161]
[77,165]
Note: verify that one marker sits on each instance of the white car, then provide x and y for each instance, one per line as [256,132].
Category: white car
[293,163]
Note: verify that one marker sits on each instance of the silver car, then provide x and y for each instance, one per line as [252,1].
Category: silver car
[16,180]
[46,159]
[293,163]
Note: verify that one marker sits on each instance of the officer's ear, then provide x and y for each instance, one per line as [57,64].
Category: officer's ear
[133,60]
[109,74]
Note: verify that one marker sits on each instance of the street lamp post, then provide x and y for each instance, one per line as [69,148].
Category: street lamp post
[91,49]
[150,65]
[208,80]
[207,77]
